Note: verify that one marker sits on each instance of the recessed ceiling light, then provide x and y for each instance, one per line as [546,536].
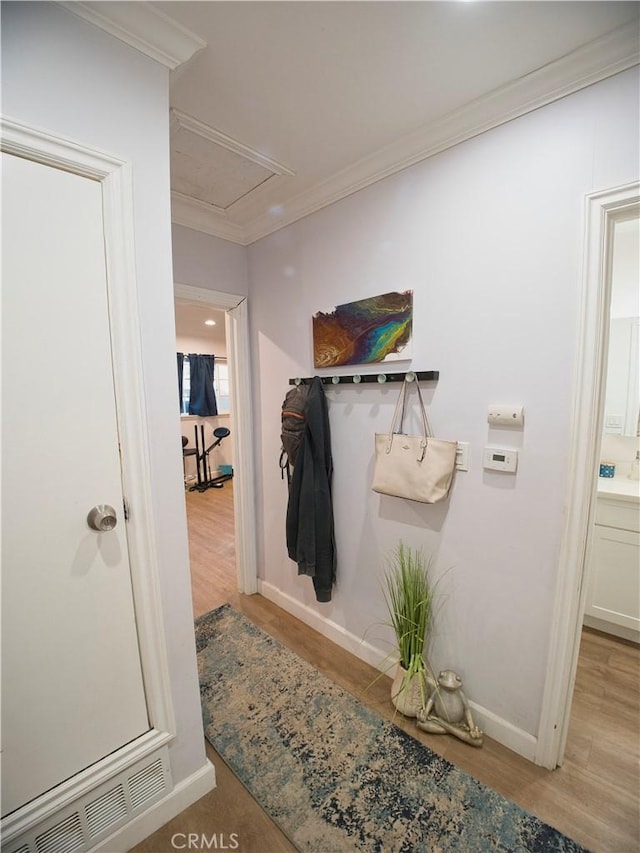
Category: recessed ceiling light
[209,322]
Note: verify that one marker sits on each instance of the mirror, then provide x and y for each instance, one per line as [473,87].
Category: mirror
[622,401]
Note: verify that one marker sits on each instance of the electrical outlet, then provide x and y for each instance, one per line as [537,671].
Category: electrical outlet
[462,456]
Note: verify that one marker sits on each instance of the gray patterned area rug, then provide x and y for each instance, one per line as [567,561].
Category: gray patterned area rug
[330,772]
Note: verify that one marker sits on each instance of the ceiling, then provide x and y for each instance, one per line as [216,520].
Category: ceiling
[281,108]
[190,323]
[292,105]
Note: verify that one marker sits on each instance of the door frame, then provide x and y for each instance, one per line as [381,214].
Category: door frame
[602,210]
[115,177]
[236,311]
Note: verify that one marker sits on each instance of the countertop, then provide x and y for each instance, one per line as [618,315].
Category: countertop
[620,488]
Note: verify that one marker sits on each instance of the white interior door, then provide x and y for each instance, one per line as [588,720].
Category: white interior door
[72,688]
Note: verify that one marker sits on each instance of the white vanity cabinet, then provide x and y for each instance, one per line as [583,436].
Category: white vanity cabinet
[613,594]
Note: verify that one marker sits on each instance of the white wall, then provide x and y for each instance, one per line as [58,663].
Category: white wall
[489,235]
[204,346]
[201,260]
[64,75]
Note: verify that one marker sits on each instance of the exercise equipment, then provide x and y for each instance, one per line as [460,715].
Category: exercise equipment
[204,480]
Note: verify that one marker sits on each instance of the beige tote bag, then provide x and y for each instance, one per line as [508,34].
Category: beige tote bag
[417,467]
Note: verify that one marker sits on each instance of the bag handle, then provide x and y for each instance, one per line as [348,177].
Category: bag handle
[425,418]
[398,419]
[399,411]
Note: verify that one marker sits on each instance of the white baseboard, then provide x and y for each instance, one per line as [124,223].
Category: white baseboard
[504,732]
[611,628]
[183,795]
[332,631]
[494,727]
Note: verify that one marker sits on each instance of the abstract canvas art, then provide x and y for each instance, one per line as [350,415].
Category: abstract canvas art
[363,332]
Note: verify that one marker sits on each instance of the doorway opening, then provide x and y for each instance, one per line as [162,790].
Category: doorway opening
[221,519]
[603,210]
[200,331]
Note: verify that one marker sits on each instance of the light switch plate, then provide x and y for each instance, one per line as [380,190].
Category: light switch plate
[462,456]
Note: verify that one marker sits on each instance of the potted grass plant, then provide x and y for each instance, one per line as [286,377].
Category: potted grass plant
[409,596]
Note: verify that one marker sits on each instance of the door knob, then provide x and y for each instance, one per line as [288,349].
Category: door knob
[102,518]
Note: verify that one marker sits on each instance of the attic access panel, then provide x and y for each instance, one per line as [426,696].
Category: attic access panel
[204,170]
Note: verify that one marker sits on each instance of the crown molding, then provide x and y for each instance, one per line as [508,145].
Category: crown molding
[143,27]
[200,216]
[610,54]
[209,133]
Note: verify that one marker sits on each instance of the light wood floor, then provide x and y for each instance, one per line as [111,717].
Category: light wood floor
[593,797]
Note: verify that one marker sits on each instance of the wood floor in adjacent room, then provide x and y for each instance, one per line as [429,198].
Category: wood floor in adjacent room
[593,797]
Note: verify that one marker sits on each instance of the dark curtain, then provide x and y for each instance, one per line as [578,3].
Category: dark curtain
[202,399]
[180,372]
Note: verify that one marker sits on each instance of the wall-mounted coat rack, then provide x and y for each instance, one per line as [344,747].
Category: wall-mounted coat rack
[356,378]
